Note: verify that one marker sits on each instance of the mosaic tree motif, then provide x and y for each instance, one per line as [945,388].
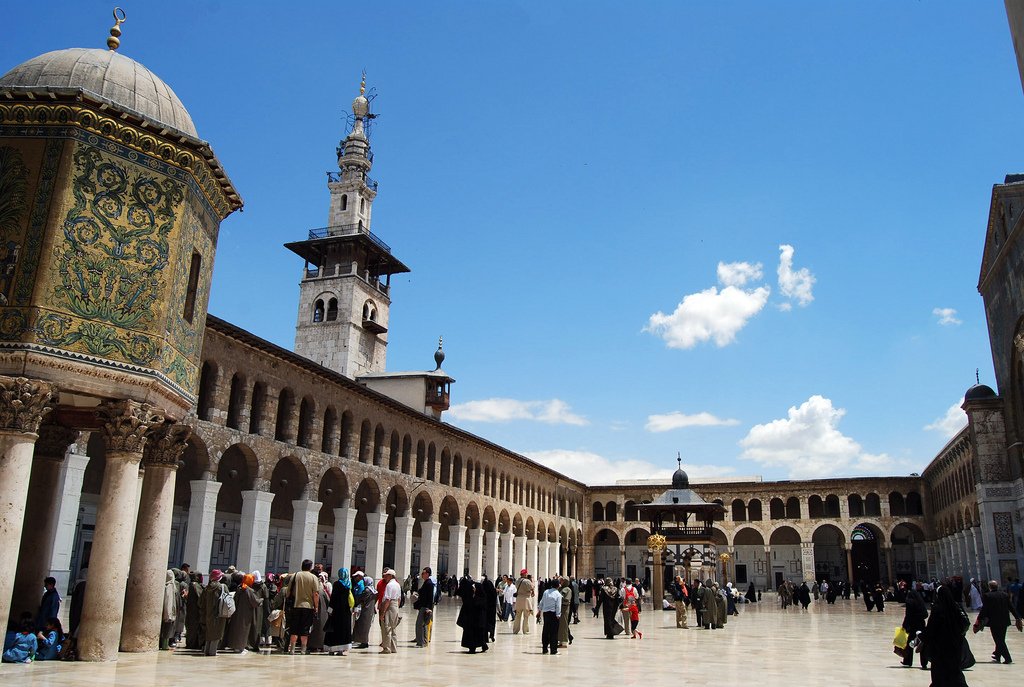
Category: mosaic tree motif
[14,189]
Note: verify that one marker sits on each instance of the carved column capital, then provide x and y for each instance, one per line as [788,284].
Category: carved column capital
[54,440]
[23,403]
[166,444]
[126,424]
[1018,342]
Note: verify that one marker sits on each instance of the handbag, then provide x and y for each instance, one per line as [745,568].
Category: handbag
[899,640]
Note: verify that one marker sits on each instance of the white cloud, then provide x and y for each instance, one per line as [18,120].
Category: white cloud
[592,468]
[808,444]
[677,420]
[947,316]
[796,285]
[738,273]
[952,422]
[552,412]
[709,314]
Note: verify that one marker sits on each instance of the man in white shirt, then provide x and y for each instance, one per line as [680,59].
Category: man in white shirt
[389,611]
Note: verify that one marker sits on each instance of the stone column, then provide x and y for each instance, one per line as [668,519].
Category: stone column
[984,571]
[542,559]
[622,560]
[375,524]
[887,552]
[143,599]
[972,554]
[72,475]
[253,531]
[962,558]
[202,515]
[807,561]
[456,550]
[403,547]
[476,542]
[491,567]
[42,506]
[304,518]
[429,533]
[125,426]
[518,555]
[553,551]
[344,535]
[849,564]
[23,403]
[532,556]
[505,567]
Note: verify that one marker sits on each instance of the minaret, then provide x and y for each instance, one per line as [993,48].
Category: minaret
[345,292]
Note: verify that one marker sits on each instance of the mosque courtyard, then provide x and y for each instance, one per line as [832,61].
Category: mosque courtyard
[837,645]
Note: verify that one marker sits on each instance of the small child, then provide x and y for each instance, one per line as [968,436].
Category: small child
[49,641]
[24,648]
[634,618]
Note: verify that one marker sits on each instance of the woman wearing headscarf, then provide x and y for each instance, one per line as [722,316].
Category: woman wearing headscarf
[751,594]
[944,636]
[913,622]
[316,633]
[170,610]
[193,616]
[338,635]
[181,579]
[209,605]
[260,613]
[240,623]
[471,615]
[281,609]
[365,598]
[490,599]
[609,596]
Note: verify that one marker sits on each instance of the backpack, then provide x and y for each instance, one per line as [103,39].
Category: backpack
[225,603]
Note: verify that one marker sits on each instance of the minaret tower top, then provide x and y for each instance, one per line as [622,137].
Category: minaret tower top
[345,292]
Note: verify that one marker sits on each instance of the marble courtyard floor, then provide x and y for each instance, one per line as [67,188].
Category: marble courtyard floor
[829,645]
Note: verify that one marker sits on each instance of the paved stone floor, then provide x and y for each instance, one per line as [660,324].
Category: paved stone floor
[829,645]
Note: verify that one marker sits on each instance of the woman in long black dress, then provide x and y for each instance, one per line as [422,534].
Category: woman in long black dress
[471,616]
[366,599]
[490,607]
[338,630]
[609,596]
[944,637]
[913,622]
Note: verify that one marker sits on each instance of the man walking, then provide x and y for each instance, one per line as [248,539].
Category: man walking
[524,603]
[304,589]
[424,604]
[389,611]
[995,611]
[679,594]
[550,608]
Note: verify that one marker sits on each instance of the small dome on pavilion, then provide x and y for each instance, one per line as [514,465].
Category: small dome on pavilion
[979,392]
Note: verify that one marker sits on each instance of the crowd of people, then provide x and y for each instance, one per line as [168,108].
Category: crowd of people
[235,611]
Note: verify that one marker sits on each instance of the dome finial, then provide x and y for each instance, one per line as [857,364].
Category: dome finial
[114,41]
[679,460]
[362,84]
[439,353]
[977,377]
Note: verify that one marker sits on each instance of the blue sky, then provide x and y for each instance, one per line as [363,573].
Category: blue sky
[558,174]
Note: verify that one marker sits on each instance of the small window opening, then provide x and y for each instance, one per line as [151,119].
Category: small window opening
[332,310]
[193,287]
[344,202]
[318,311]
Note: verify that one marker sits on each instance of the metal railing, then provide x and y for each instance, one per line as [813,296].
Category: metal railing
[334,177]
[348,230]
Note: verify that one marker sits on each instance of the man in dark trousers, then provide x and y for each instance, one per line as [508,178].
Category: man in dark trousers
[995,612]
[424,604]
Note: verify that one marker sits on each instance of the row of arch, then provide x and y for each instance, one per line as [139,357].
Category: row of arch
[783,535]
[301,422]
[238,471]
[817,507]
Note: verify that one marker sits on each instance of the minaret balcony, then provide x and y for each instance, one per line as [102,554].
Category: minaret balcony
[348,230]
[335,177]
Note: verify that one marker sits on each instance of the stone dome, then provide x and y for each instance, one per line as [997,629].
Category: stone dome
[979,392]
[108,74]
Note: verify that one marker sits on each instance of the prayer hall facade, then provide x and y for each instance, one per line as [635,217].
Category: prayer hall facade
[138,432]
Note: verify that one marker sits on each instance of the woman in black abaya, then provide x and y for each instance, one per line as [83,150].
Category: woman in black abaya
[609,596]
[944,639]
[471,616]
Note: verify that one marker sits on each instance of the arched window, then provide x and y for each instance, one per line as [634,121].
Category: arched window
[776,509]
[362,206]
[318,310]
[344,202]
[739,511]
[754,509]
[831,506]
[793,508]
[332,310]
[815,507]
[598,514]
[235,398]
[856,505]
[259,396]
[872,505]
[611,512]
[207,381]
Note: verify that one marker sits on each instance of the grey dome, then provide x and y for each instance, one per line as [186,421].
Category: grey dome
[680,480]
[108,74]
[979,392]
